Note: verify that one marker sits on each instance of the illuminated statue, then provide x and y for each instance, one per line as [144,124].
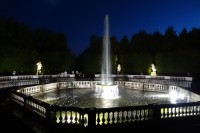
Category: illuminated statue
[153,68]
[39,68]
[14,72]
[119,68]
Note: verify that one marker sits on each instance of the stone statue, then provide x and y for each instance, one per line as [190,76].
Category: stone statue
[119,68]
[39,68]
[153,68]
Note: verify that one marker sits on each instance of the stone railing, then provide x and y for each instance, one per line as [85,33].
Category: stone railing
[25,77]
[168,111]
[97,117]
[13,81]
[149,77]
[31,90]
[24,80]
[10,84]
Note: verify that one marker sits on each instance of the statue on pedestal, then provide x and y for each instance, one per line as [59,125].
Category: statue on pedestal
[119,68]
[153,68]
[39,68]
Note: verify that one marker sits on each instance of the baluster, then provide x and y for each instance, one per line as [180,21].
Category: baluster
[176,111]
[165,113]
[122,116]
[111,117]
[138,115]
[41,111]
[125,116]
[133,115]
[57,117]
[71,117]
[118,118]
[60,117]
[142,114]
[81,120]
[44,111]
[173,112]
[197,110]
[169,112]
[63,116]
[185,111]
[106,117]
[66,117]
[162,112]
[188,110]
[78,117]
[101,118]
[86,120]
[180,111]
[129,116]
[38,109]
[191,110]
[146,114]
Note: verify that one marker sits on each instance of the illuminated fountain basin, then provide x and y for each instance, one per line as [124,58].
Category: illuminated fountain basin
[86,98]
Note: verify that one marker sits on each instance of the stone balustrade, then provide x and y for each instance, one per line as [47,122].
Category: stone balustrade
[97,117]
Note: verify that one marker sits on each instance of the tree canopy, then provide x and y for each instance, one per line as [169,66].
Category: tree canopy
[21,48]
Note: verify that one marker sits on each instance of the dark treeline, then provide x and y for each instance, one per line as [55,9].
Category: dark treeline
[171,53]
[21,48]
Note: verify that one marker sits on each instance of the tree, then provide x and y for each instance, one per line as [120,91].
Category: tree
[170,39]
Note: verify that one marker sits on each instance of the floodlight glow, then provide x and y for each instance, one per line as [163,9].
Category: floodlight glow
[173,96]
[107,91]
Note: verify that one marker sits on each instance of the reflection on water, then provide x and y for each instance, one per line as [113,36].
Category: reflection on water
[85,98]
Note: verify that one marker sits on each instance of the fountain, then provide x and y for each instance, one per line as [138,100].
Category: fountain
[106,89]
[107,94]
[142,99]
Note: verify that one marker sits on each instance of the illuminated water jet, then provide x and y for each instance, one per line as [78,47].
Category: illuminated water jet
[106,89]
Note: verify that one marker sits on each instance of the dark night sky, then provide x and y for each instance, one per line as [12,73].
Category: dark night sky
[79,19]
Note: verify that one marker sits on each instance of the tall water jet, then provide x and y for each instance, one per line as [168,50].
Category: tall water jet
[106,78]
[106,89]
